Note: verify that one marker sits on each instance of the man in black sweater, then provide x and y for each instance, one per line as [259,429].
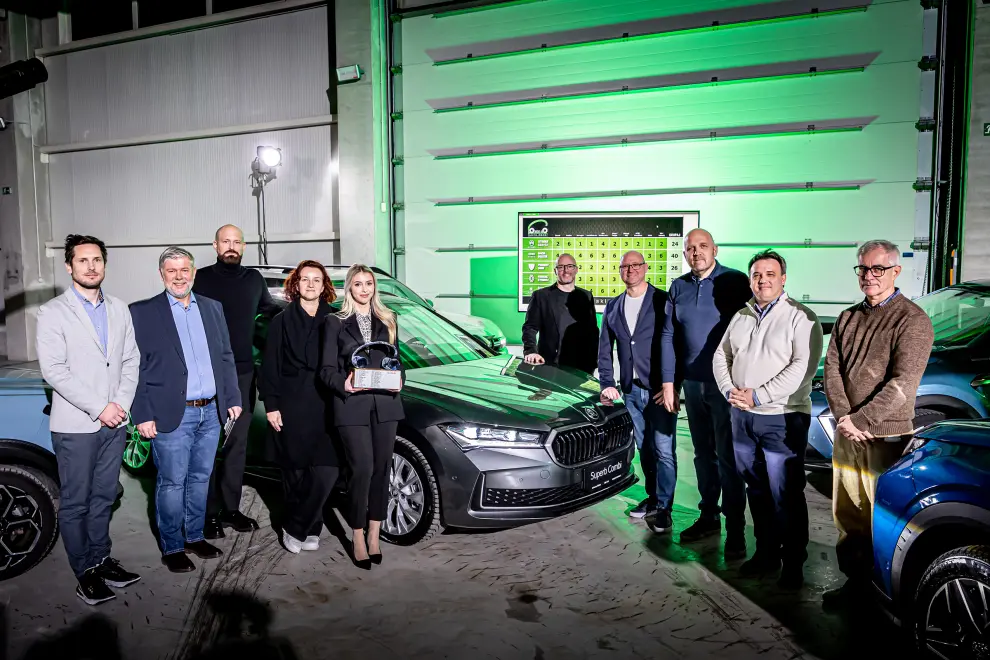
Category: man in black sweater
[243,294]
[563,315]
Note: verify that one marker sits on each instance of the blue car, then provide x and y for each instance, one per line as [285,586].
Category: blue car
[956,382]
[931,540]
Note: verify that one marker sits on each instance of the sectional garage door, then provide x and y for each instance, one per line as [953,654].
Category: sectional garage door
[787,124]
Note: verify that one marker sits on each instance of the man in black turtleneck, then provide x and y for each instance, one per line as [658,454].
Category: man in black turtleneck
[243,294]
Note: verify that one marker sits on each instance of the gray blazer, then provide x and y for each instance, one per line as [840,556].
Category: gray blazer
[85,380]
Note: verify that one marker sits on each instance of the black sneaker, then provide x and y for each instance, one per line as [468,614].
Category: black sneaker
[92,590]
[735,546]
[238,521]
[111,572]
[643,509]
[702,528]
[759,566]
[660,522]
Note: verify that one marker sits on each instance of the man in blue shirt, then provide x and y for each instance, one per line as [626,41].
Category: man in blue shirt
[700,305]
[187,389]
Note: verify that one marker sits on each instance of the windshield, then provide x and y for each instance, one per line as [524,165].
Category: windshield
[427,340]
[958,315]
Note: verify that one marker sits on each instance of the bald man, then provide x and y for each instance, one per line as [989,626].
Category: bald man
[699,307]
[243,294]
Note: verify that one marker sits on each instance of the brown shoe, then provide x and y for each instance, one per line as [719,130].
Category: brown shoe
[203,550]
[177,562]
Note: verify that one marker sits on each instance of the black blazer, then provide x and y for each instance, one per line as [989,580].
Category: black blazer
[578,348]
[161,391]
[340,339]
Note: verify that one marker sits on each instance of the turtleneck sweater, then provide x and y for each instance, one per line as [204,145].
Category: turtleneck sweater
[243,294]
[874,365]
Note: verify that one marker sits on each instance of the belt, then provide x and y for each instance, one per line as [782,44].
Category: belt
[199,403]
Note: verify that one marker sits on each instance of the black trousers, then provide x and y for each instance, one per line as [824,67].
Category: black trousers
[88,470]
[228,472]
[306,492]
[770,456]
[368,450]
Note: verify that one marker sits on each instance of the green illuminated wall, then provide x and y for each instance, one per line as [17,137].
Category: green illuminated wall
[883,154]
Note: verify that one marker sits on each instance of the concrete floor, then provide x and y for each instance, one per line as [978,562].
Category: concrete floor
[591,584]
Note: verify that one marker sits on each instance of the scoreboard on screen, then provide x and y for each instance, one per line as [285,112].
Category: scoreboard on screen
[597,242]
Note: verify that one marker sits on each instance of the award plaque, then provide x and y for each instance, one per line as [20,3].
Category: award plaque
[377,379]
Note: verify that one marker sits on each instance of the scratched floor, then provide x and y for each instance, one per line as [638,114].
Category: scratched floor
[591,584]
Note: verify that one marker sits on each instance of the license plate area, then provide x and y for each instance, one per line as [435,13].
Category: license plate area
[603,474]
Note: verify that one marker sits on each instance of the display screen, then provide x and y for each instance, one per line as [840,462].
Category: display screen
[597,242]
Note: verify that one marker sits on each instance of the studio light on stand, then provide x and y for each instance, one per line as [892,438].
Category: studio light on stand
[263,172]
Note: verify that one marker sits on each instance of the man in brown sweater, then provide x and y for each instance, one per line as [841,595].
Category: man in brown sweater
[873,366]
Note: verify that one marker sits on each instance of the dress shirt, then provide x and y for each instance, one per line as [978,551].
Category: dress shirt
[200,382]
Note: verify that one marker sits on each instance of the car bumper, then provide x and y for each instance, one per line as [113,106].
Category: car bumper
[820,434]
[489,488]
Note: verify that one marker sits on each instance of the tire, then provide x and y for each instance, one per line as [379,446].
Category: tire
[137,454]
[927,416]
[411,475]
[949,597]
[28,519]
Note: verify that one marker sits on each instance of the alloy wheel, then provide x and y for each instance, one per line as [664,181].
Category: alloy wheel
[957,621]
[406,498]
[137,450]
[20,526]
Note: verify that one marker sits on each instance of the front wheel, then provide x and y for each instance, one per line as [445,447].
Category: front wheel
[137,453]
[950,607]
[413,514]
[28,519]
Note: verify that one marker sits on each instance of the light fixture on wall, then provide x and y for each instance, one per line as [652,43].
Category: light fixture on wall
[262,173]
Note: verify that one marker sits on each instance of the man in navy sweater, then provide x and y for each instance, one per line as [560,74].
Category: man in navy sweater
[700,305]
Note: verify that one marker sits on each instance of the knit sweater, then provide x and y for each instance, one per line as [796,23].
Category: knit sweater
[776,356]
[874,365]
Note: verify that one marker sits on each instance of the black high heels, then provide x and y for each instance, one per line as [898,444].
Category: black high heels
[364,564]
[376,558]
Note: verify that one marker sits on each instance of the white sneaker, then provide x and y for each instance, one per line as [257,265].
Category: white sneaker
[311,543]
[291,544]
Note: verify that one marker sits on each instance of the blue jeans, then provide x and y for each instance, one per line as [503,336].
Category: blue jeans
[88,469]
[714,460]
[770,456]
[657,456]
[184,458]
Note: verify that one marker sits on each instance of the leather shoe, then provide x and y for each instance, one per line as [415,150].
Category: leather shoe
[178,562]
[238,521]
[213,530]
[203,550]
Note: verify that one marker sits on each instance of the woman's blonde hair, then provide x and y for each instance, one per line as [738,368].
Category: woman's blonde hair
[349,307]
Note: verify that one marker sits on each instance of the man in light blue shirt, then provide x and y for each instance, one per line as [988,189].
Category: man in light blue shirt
[200,383]
[97,314]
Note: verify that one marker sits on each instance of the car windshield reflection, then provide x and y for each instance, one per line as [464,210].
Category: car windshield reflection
[958,315]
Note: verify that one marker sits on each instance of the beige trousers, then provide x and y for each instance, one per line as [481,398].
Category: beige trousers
[856,466]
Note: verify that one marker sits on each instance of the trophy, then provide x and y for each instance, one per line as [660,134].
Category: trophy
[387,377]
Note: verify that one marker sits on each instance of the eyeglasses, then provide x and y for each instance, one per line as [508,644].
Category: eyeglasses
[877,271]
[631,266]
[567,267]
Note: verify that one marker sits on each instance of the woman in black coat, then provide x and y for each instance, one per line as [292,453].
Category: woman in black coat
[296,402]
[366,419]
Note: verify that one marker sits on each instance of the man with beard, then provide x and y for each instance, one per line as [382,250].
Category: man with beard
[244,295]
[564,317]
[88,354]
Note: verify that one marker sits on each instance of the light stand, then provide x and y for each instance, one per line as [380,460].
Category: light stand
[262,172]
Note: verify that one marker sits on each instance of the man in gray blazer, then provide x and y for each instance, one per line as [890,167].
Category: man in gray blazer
[88,355]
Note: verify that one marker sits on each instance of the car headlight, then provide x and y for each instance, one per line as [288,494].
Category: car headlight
[473,436]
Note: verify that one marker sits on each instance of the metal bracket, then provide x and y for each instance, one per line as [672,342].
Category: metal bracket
[398,206]
[398,160]
[396,116]
[923,184]
[921,244]
[396,70]
[931,4]
[928,63]
[398,251]
[925,125]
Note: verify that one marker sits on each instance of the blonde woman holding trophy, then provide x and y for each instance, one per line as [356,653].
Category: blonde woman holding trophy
[361,366]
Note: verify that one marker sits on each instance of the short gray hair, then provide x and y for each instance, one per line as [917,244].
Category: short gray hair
[893,252]
[175,252]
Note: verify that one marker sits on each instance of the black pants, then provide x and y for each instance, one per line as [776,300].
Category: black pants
[88,469]
[368,450]
[714,460]
[770,455]
[228,472]
[306,492]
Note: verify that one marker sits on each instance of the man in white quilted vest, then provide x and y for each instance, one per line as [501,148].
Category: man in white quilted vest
[765,365]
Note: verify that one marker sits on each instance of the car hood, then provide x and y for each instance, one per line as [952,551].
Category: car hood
[505,391]
[959,432]
[474,324]
[21,377]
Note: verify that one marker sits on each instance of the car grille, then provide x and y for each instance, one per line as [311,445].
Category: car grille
[520,497]
[585,443]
